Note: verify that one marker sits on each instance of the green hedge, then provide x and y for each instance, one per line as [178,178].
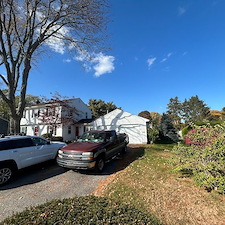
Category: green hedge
[47,136]
[52,138]
[57,138]
[82,210]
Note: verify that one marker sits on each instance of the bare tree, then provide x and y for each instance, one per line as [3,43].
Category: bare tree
[57,111]
[28,27]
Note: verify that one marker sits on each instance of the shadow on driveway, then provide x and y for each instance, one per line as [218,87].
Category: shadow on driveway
[34,174]
[121,161]
[46,170]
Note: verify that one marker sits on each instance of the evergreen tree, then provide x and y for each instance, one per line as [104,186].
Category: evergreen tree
[191,110]
[174,111]
[100,107]
[167,132]
[194,110]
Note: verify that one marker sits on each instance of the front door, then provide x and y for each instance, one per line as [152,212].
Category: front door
[36,133]
[77,132]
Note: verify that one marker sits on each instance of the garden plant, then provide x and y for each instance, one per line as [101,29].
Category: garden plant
[204,157]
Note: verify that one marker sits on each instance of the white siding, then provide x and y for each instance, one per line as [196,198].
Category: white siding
[124,122]
[30,120]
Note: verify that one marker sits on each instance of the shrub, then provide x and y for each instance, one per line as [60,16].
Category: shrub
[47,136]
[185,130]
[52,138]
[153,135]
[205,158]
[82,210]
[57,138]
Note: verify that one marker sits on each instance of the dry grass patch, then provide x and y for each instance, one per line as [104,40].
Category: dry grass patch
[151,184]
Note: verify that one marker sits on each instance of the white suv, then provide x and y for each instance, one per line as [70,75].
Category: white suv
[17,152]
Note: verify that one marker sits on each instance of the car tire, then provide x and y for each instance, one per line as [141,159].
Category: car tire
[100,164]
[6,174]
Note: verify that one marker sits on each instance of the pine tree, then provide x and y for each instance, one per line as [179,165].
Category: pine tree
[167,132]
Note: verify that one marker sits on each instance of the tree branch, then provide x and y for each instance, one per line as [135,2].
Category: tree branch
[4,80]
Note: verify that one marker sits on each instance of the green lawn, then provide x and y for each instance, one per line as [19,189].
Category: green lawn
[151,184]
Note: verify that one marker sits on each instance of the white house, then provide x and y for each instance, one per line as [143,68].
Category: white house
[124,122]
[68,119]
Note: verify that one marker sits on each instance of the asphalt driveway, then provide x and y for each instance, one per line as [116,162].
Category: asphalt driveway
[47,181]
[44,182]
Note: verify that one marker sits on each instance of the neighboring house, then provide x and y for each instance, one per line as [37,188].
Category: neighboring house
[124,122]
[67,119]
[4,126]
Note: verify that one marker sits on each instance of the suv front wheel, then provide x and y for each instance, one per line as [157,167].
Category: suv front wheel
[6,174]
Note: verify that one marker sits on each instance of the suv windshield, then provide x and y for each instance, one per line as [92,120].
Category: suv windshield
[92,137]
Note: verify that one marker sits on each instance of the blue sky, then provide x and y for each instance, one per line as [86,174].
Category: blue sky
[159,49]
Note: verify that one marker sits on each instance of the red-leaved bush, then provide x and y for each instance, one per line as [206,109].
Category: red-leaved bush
[201,136]
[204,157]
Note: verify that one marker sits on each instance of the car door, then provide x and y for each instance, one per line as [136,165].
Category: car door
[111,147]
[23,151]
[44,149]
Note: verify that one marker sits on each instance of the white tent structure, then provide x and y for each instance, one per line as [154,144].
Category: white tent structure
[124,122]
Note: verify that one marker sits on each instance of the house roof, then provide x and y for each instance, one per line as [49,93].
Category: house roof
[4,119]
[121,117]
[39,105]
[85,121]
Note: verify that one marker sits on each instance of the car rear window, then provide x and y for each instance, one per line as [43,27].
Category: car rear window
[19,143]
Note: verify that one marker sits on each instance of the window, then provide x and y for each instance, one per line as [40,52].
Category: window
[53,111]
[24,114]
[39,141]
[69,129]
[55,129]
[12,144]
[22,143]
[24,130]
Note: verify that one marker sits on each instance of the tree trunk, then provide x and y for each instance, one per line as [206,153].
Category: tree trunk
[15,125]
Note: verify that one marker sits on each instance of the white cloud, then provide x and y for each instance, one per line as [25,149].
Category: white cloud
[56,45]
[67,60]
[82,56]
[167,57]
[100,63]
[150,62]
[56,42]
[169,54]
[104,64]
[167,69]
[181,11]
